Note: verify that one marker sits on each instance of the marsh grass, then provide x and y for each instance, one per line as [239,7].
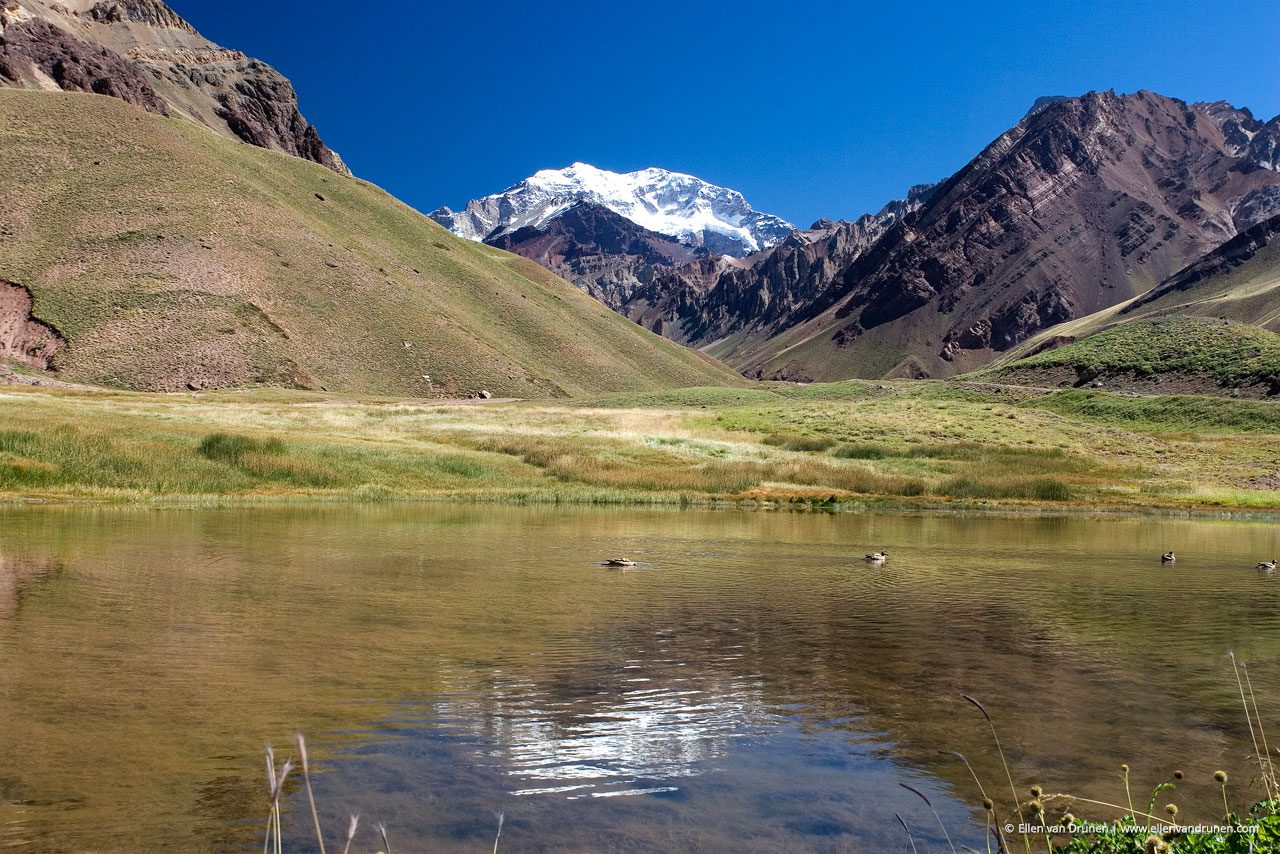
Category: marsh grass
[918,444]
[276,777]
[1027,489]
[799,443]
[1139,831]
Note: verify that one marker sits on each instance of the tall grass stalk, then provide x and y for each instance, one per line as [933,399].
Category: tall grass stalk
[992,819]
[502,817]
[919,794]
[276,782]
[311,797]
[1257,750]
[1128,794]
[907,830]
[271,804]
[351,833]
[1013,790]
[1262,732]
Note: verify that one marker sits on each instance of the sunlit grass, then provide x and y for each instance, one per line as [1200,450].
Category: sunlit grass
[916,443]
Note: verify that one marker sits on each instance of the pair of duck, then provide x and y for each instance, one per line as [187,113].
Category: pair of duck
[1269,566]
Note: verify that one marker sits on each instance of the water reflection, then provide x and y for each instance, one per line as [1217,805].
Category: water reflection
[605,733]
[757,687]
[18,577]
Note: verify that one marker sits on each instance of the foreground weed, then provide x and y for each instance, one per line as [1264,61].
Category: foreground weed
[1145,832]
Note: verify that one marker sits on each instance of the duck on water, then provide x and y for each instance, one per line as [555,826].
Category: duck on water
[877,557]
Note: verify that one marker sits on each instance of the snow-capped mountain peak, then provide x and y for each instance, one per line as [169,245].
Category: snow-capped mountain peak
[681,206]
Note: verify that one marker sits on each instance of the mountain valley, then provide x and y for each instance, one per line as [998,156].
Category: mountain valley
[1086,203]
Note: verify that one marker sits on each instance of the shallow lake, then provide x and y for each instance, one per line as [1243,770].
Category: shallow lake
[751,686]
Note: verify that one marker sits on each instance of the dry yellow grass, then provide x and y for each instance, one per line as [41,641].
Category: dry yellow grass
[911,442]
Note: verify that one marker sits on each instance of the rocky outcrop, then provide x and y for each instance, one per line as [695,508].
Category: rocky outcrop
[260,107]
[797,273]
[143,52]
[35,52]
[150,12]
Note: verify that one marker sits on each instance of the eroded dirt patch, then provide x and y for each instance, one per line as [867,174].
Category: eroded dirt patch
[23,338]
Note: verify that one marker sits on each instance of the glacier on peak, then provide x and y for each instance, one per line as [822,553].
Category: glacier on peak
[687,208]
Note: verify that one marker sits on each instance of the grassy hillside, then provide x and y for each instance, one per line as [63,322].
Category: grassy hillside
[829,446]
[1216,355]
[171,258]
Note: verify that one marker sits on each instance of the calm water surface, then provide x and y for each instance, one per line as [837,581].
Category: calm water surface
[751,687]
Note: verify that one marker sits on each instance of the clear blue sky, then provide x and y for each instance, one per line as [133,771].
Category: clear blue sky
[810,109]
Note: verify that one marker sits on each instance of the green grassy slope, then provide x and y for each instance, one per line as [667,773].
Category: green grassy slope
[170,257]
[1221,354]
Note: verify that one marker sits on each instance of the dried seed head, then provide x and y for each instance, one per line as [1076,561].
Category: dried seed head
[1124,769]
[988,804]
[1171,809]
[1036,791]
[1037,807]
[1220,776]
[1068,819]
[1178,775]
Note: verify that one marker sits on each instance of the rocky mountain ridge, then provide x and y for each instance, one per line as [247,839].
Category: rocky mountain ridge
[143,52]
[1084,204]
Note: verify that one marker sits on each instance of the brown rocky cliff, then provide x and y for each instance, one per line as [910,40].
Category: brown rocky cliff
[145,53]
[35,52]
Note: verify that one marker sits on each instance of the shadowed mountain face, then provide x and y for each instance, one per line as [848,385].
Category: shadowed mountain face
[1239,281]
[1085,204]
[695,296]
[143,52]
[1245,268]
[606,254]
